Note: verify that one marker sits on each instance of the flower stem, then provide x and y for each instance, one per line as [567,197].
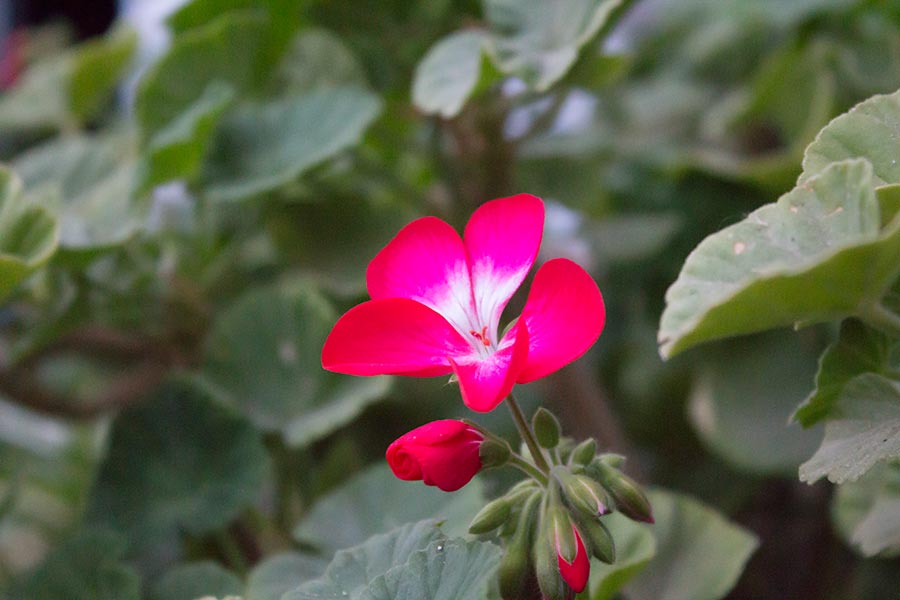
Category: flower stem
[537,455]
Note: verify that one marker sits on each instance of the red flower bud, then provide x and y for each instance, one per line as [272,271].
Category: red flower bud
[442,453]
[575,573]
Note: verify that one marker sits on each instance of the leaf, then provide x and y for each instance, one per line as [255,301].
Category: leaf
[98,66]
[226,50]
[859,349]
[279,574]
[445,570]
[864,429]
[29,234]
[870,130]
[635,547]
[315,59]
[539,41]
[177,150]
[193,580]
[262,147]
[867,511]
[86,567]
[448,73]
[177,463]
[699,554]
[375,501]
[817,254]
[352,570]
[743,395]
[264,358]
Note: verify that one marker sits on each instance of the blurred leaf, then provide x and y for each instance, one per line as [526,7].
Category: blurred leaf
[743,395]
[92,177]
[264,356]
[279,574]
[817,254]
[29,233]
[317,58]
[635,547]
[87,567]
[375,501]
[445,570]
[193,580]
[859,349]
[863,430]
[870,130]
[265,146]
[699,554]
[226,50]
[177,463]
[176,151]
[98,66]
[539,41]
[448,73]
[867,511]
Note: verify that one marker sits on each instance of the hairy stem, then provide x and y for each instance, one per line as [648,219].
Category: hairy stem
[527,435]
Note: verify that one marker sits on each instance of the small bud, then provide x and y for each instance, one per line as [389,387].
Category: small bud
[546,428]
[546,567]
[584,452]
[558,530]
[583,493]
[515,566]
[494,453]
[616,461]
[492,516]
[600,540]
[628,496]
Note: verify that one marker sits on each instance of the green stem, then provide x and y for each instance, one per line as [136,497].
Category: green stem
[881,318]
[537,454]
[528,468]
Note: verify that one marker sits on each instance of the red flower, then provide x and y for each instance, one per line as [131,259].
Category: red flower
[442,453]
[575,573]
[437,300]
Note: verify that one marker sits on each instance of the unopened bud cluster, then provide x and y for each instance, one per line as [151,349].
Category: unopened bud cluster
[552,526]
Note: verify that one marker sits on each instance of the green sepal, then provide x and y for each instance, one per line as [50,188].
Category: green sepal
[546,428]
[584,452]
[492,516]
[627,495]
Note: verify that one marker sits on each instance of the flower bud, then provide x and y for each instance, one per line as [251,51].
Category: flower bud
[492,516]
[560,572]
[515,567]
[583,494]
[600,540]
[628,496]
[584,452]
[616,461]
[546,428]
[494,453]
[441,453]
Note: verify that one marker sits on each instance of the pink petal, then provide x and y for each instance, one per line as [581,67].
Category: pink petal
[392,336]
[502,240]
[441,453]
[426,262]
[564,315]
[485,382]
[576,572]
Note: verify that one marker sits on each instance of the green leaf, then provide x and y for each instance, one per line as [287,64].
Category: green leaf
[177,463]
[635,547]
[448,74]
[29,234]
[539,41]
[870,130]
[743,395]
[227,50]
[98,66]
[818,254]
[177,150]
[264,358]
[375,501]
[262,147]
[317,58]
[193,580]
[445,570]
[867,511]
[859,349]
[699,554]
[864,429]
[86,567]
[279,574]
[352,570]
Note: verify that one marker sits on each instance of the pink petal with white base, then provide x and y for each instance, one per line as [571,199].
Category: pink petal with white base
[502,240]
[394,336]
[564,315]
[484,381]
[426,262]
